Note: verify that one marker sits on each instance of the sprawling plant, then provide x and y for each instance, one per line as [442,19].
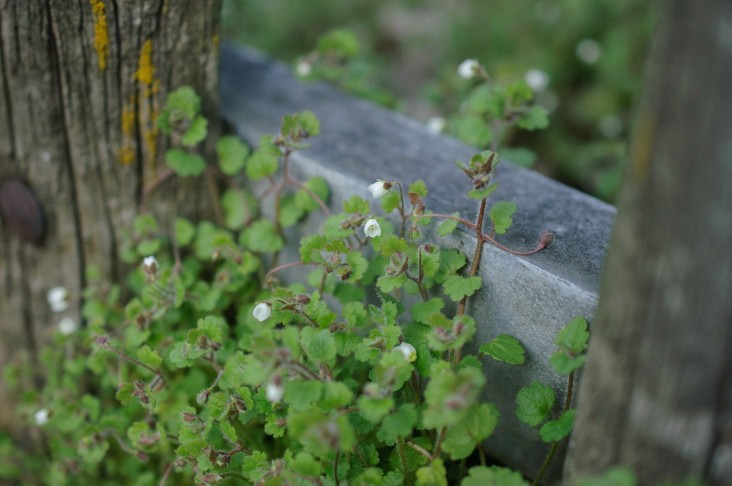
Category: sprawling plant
[227,363]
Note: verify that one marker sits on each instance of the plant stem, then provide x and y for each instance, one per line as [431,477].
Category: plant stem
[310,192]
[335,467]
[540,246]
[438,444]
[420,449]
[467,223]
[401,209]
[403,459]
[478,252]
[287,265]
[555,445]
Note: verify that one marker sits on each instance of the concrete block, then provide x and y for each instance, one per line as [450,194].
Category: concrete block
[527,297]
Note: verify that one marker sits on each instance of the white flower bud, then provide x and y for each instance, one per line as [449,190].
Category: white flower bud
[589,51]
[58,299]
[410,354]
[150,265]
[262,311]
[468,68]
[436,124]
[67,326]
[41,417]
[274,390]
[303,69]
[537,79]
[371,228]
[379,188]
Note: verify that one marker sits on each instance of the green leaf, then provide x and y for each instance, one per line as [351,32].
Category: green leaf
[358,264]
[185,164]
[387,283]
[261,164]
[184,100]
[238,208]
[421,311]
[319,345]
[184,231]
[458,287]
[448,226]
[214,328]
[301,395]
[196,132]
[450,394]
[149,357]
[374,409]
[534,402]
[520,156]
[261,236]
[462,438]
[418,187]
[306,465]
[255,466]
[232,154]
[472,129]
[536,118]
[573,337]
[504,348]
[615,476]
[390,201]
[392,244]
[335,395]
[563,364]
[356,204]
[493,476]
[434,474]
[305,201]
[399,424]
[228,431]
[556,430]
[479,194]
[500,214]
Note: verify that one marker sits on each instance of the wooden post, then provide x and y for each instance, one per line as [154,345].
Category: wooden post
[81,84]
[656,393]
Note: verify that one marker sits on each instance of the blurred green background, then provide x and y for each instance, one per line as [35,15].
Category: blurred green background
[584,59]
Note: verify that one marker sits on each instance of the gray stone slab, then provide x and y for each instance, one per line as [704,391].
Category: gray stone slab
[530,298]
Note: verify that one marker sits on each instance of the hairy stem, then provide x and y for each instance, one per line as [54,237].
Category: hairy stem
[478,252]
[555,446]
[403,459]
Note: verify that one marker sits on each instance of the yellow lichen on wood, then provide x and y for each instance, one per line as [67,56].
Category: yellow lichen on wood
[126,154]
[145,73]
[101,32]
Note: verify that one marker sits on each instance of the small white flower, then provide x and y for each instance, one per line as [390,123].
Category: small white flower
[537,79]
[150,265]
[436,124]
[371,228]
[379,188]
[303,69]
[611,126]
[468,68]
[58,299]
[262,311]
[67,326]
[410,354]
[589,51]
[274,390]
[41,417]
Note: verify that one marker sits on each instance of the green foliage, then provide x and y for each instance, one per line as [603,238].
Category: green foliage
[534,402]
[504,348]
[482,476]
[214,368]
[501,214]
